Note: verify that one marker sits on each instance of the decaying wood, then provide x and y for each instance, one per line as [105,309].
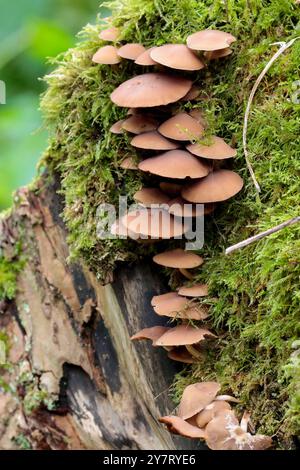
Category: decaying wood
[69,336]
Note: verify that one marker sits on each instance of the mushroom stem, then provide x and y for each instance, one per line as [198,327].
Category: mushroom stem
[244,421]
[186,274]
[194,352]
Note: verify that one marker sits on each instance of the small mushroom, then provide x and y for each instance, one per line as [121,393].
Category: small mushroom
[116,128]
[129,164]
[176,56]
[182,208]
[145,58]
[131,51]
[177,425]
[211,411]
[153,141]
[181,127]
[139,123]
[192,94]
[175,306]
[150,89]
[196,397]
[209,40]
[213,55]
[106,55]
[198,290]
[153,333]
[218,150]
[151,196]
[178,258]
[183,335]
[177,164]
[217,186]
[110,34]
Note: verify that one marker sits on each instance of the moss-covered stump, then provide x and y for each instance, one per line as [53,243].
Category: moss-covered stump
[253,293]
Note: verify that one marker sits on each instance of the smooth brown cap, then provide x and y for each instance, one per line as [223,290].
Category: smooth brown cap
[177,425]
[178,259]
[153,333]
[145,58]
[176,56]
[116,128]
[181,127]
[154,223]
[209,40]
[182,208]
[196,397]
[131,51]
[217,150]
[211,411]
[177,306]
[213,55]
[183,335]
[139,123]
[177,164]
[110,34]
[198,290]
[106,55]
[149,196]
[192,94]
[172,189]
[181,354]
[129,164]
[150,89]
[217,186]
[153,141]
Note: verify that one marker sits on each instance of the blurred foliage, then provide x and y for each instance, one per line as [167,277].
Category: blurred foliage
[30,32]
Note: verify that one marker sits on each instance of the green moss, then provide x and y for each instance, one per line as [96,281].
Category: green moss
[9,269]
[254,292]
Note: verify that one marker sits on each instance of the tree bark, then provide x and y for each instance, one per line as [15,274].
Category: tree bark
[69,339]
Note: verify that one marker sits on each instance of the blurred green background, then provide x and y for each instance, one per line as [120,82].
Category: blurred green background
[30,32]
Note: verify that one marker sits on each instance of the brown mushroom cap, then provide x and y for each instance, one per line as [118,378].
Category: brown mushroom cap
[209,40]
[217,186]
[181,127]
[176,306]
[129,164]
[176,56]
[153,141]
[198,290]
[177,425]
[177,164]
[106,55]
[153,333]
[139,123]
[178,259]
[196,397]
[150,89]
[213,55]
[172,189]
[197,114]
[218,150]
[183,335]
[116,128]
[110,34]
[181,354]
[149,196]
[182,208]
[211,411]
[154,223]
[192,94]
[145,58]
[131,51]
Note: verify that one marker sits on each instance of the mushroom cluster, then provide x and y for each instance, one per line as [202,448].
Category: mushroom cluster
[189,169]
[203,414]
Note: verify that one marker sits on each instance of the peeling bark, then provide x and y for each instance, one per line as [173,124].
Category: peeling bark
[69,338]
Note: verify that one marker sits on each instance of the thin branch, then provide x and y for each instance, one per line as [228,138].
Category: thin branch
[261,235]
[283,47]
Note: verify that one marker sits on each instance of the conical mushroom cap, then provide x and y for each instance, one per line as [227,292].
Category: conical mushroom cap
[181,127]
[217,186]
[145,58]
[177,425]
[209,40]
[154,223]
[181,354]
[109,34]
[178,259]
[106,55]
[153,333]
[218,150]
[177,164]
[129,164]
[198,290]
[182,208]
[196,397]
[116,128]
[183,335]
[176,306]
[176,56]
[131,51]
[150,89]
[149,196]
[213,55]
[139,123]
[211,411]
[153,141]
